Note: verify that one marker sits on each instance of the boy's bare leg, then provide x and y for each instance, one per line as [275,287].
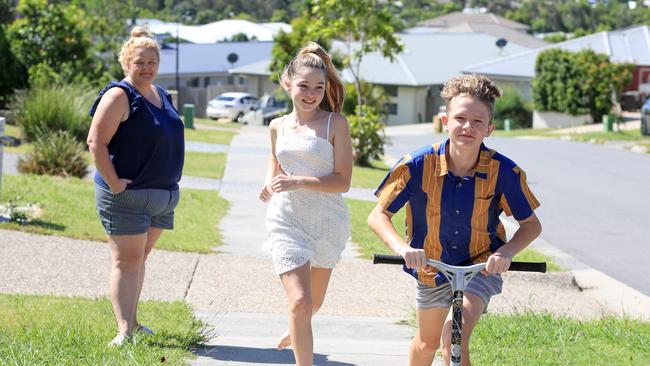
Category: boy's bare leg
[320,278]
[427,340]
[297,285]
[472,310]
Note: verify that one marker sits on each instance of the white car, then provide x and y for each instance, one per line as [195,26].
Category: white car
[231,105]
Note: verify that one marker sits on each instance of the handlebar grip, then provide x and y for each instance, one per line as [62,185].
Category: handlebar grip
[514,266]
[528,267]
[387,259]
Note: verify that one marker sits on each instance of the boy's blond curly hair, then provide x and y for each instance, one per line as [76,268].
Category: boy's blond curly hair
[477,86]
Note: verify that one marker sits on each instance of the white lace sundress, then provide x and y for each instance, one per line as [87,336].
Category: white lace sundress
[305,225]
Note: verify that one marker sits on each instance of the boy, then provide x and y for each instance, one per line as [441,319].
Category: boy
[454,192]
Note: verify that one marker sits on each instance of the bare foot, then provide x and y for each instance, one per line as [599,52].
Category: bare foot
[285,341]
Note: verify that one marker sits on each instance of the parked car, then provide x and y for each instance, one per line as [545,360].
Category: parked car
[231,105]
[266,109]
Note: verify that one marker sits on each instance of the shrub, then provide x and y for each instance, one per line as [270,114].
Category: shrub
[55,154]
[513,107]
[373,95]
[366,130]
[578,82]
[44,110]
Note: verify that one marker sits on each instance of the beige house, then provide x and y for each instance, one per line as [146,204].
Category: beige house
[414,78]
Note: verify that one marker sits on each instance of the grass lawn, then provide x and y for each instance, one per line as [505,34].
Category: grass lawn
[69,210]
[533,339]
[209,136]
[601,137]
[40,330]
[544,132]
[223,122]
[368,243]
[369,177]
[366,240]
[207,165]
[598,136]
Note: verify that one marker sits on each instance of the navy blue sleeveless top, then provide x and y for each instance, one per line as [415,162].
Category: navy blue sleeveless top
[149,147]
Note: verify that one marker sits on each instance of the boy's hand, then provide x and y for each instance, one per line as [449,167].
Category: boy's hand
[497,263]
[414,258]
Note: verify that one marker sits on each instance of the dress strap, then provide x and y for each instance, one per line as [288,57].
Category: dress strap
[329,120]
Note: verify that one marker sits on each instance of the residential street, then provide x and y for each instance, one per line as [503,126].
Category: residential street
[594,198]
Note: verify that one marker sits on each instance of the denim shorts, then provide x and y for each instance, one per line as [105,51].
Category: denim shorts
[441,296]
[134,211]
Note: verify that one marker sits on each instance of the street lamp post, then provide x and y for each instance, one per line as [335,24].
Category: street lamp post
[178,85]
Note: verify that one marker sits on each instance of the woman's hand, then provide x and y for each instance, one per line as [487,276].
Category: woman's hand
[283,183]
[265,193]
[120,185]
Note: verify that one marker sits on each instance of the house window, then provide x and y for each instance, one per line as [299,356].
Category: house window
[391,90]
[391,108]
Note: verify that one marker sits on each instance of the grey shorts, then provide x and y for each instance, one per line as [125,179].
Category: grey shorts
[134,211]
[441,296]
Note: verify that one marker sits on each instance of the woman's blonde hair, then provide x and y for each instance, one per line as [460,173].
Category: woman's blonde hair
[140,38]
[477,86]
[314,56]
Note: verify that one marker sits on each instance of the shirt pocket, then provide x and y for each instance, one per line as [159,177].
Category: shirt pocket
[480,213]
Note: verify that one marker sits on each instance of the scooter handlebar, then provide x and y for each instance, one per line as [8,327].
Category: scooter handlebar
[514,266]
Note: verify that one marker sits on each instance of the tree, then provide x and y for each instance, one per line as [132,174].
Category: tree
[7,11]
[12,74]
[52,36]
[365,26]
[286,45]
[108,24]
[578,83]
[239,37]
[413,11]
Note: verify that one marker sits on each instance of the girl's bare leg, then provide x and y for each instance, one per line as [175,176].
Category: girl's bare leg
[320,278]
[297,285]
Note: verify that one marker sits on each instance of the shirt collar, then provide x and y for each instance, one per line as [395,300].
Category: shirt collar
[480,169]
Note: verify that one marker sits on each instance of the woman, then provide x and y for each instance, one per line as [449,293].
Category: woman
[136,140]
[309,167]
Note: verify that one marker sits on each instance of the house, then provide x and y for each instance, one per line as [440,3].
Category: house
[414,79]
[472,22]
[216,31]
[258,77]
[630,45]
[203,69]
[472,16]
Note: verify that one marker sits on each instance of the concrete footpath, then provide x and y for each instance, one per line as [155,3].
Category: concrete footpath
[235,292]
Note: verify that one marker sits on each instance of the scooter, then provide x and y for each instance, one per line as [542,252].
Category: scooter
[458,277]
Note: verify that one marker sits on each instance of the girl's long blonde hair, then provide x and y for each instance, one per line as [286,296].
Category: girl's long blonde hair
[314,56]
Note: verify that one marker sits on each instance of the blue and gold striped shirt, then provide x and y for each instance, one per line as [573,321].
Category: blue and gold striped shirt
[455,219]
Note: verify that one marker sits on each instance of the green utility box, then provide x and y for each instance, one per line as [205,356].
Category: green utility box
[188,115]
[608,122]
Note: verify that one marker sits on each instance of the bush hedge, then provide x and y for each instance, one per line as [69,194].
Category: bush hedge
[57,153]
[45,110]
